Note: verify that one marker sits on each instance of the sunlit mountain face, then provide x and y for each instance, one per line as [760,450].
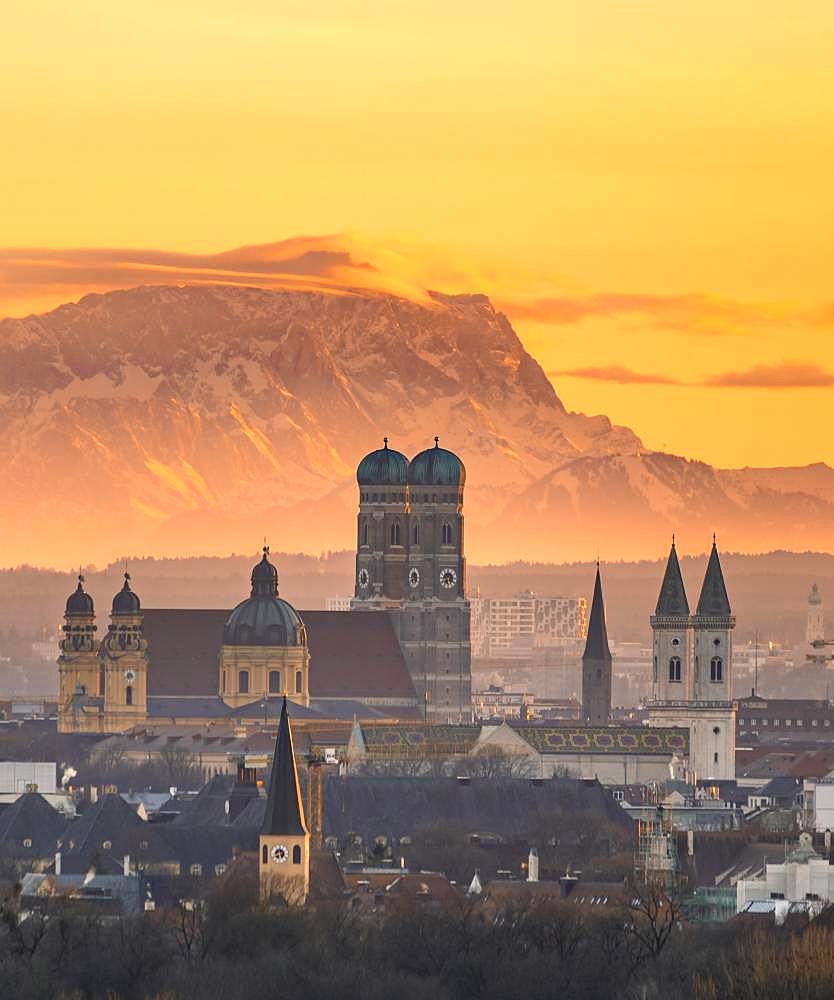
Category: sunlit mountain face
[192,418]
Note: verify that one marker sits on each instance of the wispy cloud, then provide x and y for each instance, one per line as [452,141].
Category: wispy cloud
[786,376]
[617,373]
[695,314]
[790,375]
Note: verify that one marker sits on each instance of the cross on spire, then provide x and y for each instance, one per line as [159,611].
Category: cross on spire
[385,441]
[436,441]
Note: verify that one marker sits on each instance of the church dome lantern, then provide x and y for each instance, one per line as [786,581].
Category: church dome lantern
[383,467]
[79,603]
[436,467]
[264,619]
[126,602]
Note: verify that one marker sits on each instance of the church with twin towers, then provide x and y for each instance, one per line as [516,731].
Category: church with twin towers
[692,667]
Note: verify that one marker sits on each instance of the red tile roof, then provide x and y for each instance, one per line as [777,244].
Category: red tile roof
[353,654]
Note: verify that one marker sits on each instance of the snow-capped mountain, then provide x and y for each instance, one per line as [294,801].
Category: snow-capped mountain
[180,420]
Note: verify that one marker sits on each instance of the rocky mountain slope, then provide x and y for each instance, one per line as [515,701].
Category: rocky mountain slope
[177,420]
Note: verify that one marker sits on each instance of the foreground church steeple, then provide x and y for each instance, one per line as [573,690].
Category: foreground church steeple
[285,841]
[596,664]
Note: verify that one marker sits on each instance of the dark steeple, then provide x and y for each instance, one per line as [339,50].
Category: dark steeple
[713,600]
[265,577]
[596,664]
[672,602]
[284,810]
[596,645]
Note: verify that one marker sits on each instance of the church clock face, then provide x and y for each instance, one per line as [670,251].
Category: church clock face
[448,578]
[279,853]
[414,577]
[363,578]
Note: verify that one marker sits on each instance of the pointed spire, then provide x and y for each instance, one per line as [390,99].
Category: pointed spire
[672,602]
[713,600]
[596,645]
[284,810]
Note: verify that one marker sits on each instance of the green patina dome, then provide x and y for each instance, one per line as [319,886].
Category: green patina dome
[436,467]
[383,467]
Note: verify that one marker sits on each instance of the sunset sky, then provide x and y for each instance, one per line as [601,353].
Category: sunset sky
[646,188]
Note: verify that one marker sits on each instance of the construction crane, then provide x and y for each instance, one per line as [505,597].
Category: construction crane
[318,759]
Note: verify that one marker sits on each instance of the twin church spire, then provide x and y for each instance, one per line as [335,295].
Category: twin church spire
[713,600]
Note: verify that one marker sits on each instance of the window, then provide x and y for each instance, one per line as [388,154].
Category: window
[27,842]
[716,670]
[776,722]
[143,845]
[101,681]
[299,682]
[675,670]
[220,869]
[243,681]
[715,758]
[655,670]
[446,533]
[264,855]
[274,681]
[741,722]
[196,869]
[106,845]
[764,722]
[826,722]
[754,723]
[128,695]
[814,722]
[224,683]
[296,855]
[415,533]
[787,722]
[365,533]
[799,722]
[395,532]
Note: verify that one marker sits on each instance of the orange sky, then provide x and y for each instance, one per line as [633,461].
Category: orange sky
[645,188]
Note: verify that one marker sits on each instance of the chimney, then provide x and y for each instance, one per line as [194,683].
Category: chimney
[127,866]
[57,862]
[533,865]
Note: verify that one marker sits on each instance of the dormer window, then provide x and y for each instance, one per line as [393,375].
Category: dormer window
[106,845]
[27,842]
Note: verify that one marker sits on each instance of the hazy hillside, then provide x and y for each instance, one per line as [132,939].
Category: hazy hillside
[768,592]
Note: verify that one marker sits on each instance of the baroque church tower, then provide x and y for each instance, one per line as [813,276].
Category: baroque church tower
[284,857]
[78,657]
[693,668]
[410,562]
[596,664]
[123,663]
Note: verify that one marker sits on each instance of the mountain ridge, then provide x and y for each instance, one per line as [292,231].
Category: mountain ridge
[172,419]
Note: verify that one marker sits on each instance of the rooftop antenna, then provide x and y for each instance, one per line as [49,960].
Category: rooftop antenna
[756,661]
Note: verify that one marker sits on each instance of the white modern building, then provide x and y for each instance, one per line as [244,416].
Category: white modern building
[804,879]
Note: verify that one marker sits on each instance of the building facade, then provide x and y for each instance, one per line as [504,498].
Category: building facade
[692,668]
[410,564]
[516,627]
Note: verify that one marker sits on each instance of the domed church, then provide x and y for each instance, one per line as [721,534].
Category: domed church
[192,666]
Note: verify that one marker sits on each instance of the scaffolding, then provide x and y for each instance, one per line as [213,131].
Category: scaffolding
[657,850]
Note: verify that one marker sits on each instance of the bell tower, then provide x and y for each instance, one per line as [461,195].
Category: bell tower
[382,530]
[672,637]
[713,624]
[435,618]
[596,664]
[123,659]
[284,856]
[78,673]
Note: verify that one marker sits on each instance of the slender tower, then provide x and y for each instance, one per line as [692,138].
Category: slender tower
[78,670]
[713,624]
[596,664]
[671,637]
[285,841]
[814,628]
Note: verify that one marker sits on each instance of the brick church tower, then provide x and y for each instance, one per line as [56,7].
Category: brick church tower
[410,563]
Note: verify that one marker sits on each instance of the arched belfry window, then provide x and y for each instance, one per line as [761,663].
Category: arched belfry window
[415,533]
[128,695]
[296,855]
[716,670]
[446,534]
[102,679]
[395,532]
[299,682]
[274,681]
[264,854]
[675,669]
[243,681]
[365,533]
